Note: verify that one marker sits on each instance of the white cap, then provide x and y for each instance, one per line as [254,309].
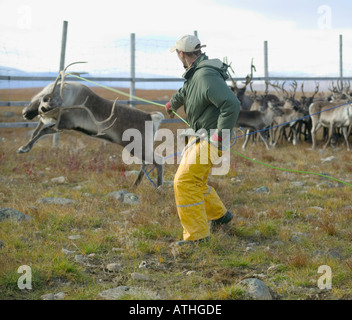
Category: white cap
[187,43]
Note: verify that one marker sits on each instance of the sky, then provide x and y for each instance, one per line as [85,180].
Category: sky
[302,36]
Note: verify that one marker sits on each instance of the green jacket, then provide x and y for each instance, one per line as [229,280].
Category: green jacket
[208,102]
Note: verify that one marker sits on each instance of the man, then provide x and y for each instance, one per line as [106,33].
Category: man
[209,105]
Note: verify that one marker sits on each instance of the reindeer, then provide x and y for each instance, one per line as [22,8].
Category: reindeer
[290,100]
[331,115]
[307,101]
[246,101]
[257,121]
[307,121]
[340,92]
[289,118]
[261,101]
[76,107]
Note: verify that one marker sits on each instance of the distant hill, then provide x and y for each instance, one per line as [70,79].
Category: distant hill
[258,85]
[13,72]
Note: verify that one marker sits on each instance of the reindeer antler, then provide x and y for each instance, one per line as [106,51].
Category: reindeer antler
[275,85]
[294,87]
[61,75]
[229,66]
[249,78]
[285,93]
[316,89]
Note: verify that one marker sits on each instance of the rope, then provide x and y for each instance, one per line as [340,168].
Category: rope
[236,137]
[127,95]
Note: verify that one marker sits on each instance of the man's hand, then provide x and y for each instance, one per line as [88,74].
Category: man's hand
[215,137]
[169,110]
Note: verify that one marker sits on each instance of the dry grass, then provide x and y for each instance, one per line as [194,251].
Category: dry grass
[292,230]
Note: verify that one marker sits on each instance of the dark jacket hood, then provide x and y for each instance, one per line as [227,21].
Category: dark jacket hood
[204,62]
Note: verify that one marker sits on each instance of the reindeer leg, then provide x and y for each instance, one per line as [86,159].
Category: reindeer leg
[160,171]
[47,130]
[140,175]
[37,129]
[277,134]
[349,130]
[346,135]
[246,140]
[331,132]
[294,132]
[313,131]
[262,135]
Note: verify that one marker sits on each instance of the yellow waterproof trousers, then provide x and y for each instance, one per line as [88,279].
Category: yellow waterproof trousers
[197,203]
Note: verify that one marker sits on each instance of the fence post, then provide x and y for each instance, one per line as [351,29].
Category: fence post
[341,62]
[133,68]
[266,66]
[62,66]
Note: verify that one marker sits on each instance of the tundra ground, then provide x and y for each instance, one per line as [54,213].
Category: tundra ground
[282,235]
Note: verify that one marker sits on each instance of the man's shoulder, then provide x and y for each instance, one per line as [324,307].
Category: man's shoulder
[211,63]
[212,67]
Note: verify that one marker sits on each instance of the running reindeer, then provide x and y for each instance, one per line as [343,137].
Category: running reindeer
[73,106]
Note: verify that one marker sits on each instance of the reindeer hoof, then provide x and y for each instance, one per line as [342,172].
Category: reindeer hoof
[23,149]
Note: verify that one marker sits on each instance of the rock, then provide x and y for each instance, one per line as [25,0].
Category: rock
[317,208]
[277,244]
[139,276]
[256,289]
[75,237]
[58,180]
[2,244]
[295,238]
[298,183]
[326,184]
[328,159]
[124,196]
[115,293]
[53,296]
[323,175]
[60,201]
[49,296]
[79,258]
[67,252]
[59,296]
[130,293]
[334,253]
[117,195]
[130,198]
[114,267]
[12,214]
[143,264]
[263,189]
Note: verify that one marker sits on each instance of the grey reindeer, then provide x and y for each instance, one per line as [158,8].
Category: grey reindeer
[63,106]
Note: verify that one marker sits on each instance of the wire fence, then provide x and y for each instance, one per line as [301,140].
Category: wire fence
[146,63]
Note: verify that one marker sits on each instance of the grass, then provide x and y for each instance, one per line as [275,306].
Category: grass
[282,236]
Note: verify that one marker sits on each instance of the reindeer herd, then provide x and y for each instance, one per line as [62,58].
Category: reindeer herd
[280,115]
